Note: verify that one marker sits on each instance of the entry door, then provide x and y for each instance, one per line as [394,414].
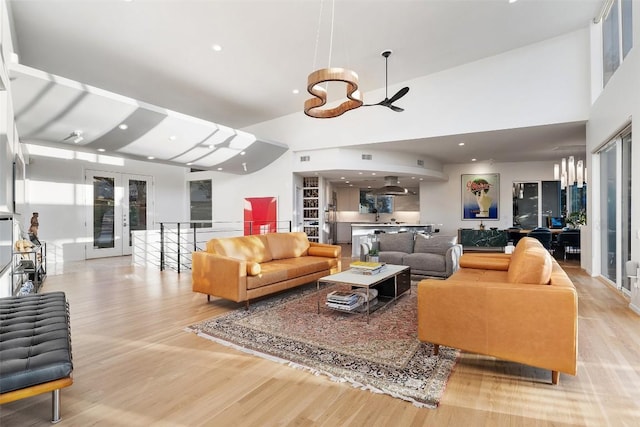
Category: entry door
[118,204]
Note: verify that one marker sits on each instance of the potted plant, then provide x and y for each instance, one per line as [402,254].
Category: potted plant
[577,218]
[373,255]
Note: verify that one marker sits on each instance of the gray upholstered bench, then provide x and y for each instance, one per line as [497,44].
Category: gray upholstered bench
[35,347]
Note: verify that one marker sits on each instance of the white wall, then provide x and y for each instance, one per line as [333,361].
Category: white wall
[441,202]
[9,144]
[543,83]
[55,189]
[229,191]
[614,109]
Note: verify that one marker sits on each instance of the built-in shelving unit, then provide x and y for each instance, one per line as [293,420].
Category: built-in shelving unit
[311,207]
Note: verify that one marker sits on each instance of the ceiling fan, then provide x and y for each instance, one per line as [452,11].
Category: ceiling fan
[388,102]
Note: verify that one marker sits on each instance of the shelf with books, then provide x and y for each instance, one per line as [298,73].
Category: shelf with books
[311,207]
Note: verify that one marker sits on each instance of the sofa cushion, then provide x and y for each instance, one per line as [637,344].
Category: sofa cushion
[290,268]
[288,245]
[396,242]
[245,248]
[392,257]
[434,244]
[425,262]
[530,263]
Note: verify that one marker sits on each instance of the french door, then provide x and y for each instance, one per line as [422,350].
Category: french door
[117,205]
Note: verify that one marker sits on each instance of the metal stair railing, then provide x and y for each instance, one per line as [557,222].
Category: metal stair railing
[172,245]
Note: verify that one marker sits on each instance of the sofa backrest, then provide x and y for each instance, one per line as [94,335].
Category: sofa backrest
[434,244]
[396,242]
[247,248]
[288,245]
[530,263]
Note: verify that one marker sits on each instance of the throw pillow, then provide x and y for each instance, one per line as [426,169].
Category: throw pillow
[253,268]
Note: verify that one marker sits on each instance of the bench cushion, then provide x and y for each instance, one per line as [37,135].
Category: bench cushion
[35,342]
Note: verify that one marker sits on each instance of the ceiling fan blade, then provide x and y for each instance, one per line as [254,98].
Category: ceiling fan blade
[384,103]
[396,109]
[399,94]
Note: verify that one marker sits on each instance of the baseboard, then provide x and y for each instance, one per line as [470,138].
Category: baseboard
[634,308]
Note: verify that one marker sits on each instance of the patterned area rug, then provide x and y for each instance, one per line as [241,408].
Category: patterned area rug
[383,355]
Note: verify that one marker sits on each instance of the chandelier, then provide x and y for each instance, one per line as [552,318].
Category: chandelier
[312,106]
[569,172]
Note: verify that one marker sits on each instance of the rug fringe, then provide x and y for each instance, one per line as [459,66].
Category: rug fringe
[317,372]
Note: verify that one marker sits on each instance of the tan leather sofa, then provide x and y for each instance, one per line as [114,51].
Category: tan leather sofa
[520,307]
[243,268]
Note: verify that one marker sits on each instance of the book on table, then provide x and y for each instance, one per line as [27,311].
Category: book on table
[366,267]
[343,300]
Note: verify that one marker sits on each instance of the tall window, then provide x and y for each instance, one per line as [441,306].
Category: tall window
[615,209]
[617,37]
[201,202]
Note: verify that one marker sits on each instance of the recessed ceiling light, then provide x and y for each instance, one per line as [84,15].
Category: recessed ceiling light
[189,164]
[359,173]
[461,143]
[219,169]
[242,153]
[124,126]
[172,138]
[413,177]
[102,150]
[373,173]
[216,47]
[342,177]
[211,147]
[295,91]
[473,160]
[512,1]
[150,157]
[346,182]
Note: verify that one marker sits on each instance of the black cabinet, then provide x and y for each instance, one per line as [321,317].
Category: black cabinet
[489,240]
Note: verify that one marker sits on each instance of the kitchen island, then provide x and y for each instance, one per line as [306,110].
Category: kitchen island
[367,232]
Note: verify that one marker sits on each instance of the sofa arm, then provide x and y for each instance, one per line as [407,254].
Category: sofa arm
[452,259]
[219,276]
[530,324]
[324,250]
[484,261]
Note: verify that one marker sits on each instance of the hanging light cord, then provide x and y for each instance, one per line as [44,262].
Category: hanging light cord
[315,53]
[333,12]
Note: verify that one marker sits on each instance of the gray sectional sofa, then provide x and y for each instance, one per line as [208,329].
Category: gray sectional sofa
[428,256]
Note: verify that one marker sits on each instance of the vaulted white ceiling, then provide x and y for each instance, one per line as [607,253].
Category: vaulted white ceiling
[159,52]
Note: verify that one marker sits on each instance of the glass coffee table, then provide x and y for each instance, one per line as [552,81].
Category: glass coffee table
[391,283]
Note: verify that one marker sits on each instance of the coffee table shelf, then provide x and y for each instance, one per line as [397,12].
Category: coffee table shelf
[392,282]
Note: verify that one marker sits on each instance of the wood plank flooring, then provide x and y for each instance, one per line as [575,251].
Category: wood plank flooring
[136,366]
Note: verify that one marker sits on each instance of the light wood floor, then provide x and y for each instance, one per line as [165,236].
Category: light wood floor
[136,366]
